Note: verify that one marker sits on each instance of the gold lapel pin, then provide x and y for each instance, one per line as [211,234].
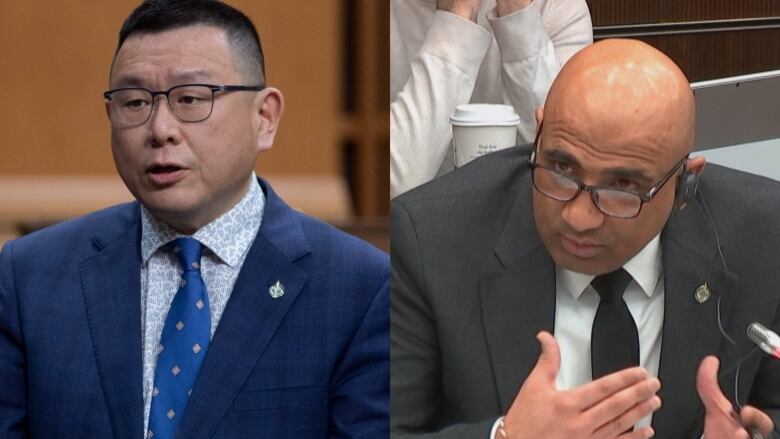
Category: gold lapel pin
[702,293]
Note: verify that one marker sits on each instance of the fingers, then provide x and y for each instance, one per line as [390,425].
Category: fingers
[623,409]
[549,360]
[640,433]
[506,7]
[720,417]
[465,8]
[616,425]
[756,420]
[596,391]
[708,388]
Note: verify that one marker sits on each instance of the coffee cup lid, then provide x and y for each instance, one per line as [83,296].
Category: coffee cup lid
[484,115]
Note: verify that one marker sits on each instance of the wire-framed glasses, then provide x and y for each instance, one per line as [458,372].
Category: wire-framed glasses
[620,203]
[132,106]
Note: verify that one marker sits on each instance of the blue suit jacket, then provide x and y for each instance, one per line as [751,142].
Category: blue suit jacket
[310,364]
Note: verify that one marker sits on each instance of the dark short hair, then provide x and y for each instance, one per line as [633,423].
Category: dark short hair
[154,16]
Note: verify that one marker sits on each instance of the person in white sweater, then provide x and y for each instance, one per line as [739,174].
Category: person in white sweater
[444,53]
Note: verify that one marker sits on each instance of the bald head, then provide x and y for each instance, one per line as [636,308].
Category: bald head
[617,86]
[618,118]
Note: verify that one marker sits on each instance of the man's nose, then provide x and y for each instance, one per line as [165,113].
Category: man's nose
[163,123]
[581,214]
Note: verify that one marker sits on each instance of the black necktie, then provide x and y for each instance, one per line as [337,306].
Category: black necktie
[614,340]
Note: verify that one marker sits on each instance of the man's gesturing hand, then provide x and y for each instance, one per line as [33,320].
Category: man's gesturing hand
[720,420]
[465,8]
[604,408]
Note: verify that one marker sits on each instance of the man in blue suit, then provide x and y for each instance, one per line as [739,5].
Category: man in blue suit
[208,308]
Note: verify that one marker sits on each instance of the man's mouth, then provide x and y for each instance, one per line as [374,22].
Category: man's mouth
[163,169]
[580,247]
[165,174]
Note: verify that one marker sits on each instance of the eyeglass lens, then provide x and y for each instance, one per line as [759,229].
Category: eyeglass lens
[562,188]
[189,103]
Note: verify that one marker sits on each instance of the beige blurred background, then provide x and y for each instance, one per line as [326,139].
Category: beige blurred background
[329,59]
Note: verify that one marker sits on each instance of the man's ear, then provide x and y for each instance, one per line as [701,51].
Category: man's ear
[108,109]
[269,105]
[687,184]
[695,164]
[539,113]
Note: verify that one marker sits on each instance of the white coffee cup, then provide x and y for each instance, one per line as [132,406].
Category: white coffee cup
[479,129]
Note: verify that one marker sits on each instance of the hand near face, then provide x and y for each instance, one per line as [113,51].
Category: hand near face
[465,8]
[721,421]
[506,7]
[604,408]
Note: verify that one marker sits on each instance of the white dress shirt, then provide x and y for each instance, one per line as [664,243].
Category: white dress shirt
[226,242]
[576,303]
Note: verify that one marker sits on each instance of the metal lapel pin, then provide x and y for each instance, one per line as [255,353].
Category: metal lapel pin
[276,290]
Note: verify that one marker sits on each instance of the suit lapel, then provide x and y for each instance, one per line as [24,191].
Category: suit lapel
[111,285]
[516,304]
[690,330]
[517,298]
[250,318]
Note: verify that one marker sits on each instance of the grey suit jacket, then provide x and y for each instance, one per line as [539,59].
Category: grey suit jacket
[472,284]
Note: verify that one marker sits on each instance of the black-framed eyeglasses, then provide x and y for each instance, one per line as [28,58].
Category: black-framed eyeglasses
[620,203]
[132,106]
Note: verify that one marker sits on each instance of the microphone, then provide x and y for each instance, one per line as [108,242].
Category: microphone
[765,338]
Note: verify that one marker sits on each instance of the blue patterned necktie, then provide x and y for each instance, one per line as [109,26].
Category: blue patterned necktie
[185,338]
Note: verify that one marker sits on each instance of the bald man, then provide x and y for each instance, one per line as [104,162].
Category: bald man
[607,234]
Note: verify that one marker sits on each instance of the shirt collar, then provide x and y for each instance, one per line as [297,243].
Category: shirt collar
[228,236]
[644,268]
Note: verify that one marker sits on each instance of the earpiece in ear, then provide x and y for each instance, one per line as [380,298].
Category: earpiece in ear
[687,187]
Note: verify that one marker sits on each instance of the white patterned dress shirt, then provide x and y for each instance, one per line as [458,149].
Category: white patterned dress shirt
[226,242]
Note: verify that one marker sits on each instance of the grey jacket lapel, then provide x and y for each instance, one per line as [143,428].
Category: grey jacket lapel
[518,299]
[690,330]
[516,304]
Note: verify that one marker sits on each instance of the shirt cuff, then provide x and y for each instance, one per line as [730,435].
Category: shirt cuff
[457,41]
[520,34]
[494,430]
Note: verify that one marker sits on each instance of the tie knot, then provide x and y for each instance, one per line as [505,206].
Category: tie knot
[611,286]
[187,250]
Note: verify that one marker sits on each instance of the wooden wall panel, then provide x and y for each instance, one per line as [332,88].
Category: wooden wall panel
[382,33]
[711,55]
[708,38]
[619,12]
[55,64]
[366,126]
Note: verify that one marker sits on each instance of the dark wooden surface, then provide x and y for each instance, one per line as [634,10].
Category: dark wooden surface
[366,105]
[619,12]
[704,56]
[708,38]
